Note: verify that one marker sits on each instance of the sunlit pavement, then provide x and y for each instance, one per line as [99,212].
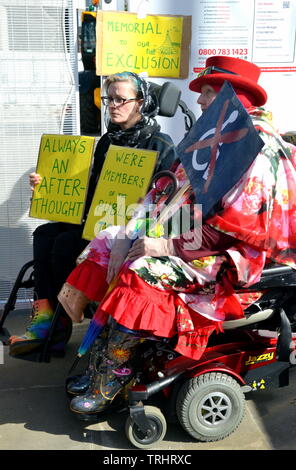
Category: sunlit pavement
[35,415]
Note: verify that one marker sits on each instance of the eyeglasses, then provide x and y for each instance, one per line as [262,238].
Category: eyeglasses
[117,101]
[212,69]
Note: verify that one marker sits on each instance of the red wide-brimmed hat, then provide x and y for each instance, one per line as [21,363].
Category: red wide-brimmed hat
[240,73]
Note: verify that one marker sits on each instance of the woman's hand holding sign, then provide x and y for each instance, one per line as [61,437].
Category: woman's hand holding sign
[34,179]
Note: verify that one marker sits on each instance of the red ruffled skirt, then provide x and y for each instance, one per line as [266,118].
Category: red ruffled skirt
[138,306]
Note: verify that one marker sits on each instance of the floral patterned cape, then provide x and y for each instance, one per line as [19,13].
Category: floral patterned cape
[260,210]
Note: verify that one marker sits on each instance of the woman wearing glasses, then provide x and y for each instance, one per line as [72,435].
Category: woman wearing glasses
[130,119]
[166,289]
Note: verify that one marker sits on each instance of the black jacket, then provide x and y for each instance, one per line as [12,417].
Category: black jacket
[158,141]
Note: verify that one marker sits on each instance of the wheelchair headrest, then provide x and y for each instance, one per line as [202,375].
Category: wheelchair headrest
[166,97]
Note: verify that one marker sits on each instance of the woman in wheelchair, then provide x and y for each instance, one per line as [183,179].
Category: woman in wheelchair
[131,108]
[181,286]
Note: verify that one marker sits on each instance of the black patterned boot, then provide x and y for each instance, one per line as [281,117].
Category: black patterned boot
[113,374]
[79,384]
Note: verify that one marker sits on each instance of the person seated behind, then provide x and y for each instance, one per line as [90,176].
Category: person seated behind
[130,119]
[164,289]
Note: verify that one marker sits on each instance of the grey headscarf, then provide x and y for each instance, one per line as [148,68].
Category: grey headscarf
[147,126]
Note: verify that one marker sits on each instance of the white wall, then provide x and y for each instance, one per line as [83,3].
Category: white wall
[38,79]
[175,127]
[280,87]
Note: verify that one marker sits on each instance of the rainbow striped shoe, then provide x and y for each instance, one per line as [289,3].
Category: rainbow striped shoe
[37,330]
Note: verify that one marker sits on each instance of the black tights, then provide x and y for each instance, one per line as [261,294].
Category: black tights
[55,249]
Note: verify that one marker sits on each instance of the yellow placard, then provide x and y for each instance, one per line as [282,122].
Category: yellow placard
[158,45]
[64,163]
[124,180]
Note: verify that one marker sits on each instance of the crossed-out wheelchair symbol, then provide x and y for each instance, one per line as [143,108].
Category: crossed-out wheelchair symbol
[214,143]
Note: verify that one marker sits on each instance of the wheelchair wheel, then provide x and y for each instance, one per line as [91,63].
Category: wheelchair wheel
[211,406]
[142,441]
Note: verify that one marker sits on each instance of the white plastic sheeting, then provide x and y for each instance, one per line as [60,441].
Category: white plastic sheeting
[38,94]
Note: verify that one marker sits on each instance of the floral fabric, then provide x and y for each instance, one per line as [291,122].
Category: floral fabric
[259,211]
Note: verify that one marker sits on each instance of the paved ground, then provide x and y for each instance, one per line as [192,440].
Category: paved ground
[34,412]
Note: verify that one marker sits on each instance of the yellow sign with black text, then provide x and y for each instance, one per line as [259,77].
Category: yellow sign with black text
[158,45]
[64,164]
[124,181]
